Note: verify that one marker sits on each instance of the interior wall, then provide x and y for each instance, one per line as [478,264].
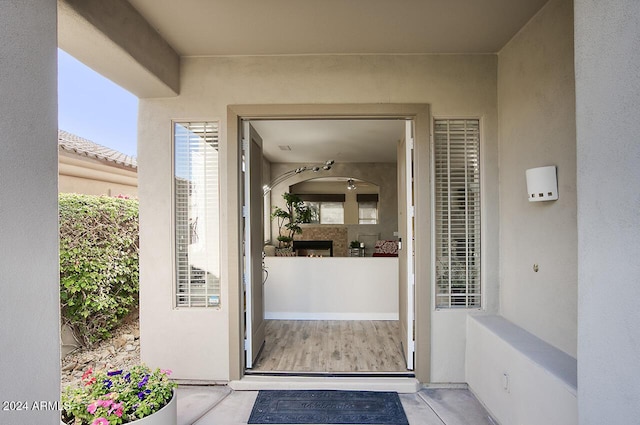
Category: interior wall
[607,36]
[29,263]
[332,288]
[351,215]
[536,109]
[384,175]
[454,85]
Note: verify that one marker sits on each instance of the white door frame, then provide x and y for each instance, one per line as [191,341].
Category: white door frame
[408,244]
[420,114]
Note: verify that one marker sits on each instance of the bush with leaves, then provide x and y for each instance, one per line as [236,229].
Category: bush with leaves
[98,263]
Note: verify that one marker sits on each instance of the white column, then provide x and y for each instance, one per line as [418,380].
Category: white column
[29,289]
[607,59]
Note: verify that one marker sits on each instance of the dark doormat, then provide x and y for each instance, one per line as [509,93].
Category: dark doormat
[328,407]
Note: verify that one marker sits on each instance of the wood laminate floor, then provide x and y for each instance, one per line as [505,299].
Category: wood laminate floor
[331,346]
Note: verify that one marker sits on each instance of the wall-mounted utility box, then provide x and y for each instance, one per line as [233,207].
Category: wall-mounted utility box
[542,184]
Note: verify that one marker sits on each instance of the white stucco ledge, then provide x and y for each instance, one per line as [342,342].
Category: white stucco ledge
[519,378]
[551,359]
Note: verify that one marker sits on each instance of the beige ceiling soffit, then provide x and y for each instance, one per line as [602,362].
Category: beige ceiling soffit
[113,39]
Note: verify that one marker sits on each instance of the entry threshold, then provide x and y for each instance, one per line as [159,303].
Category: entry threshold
[406,383]
[333,374]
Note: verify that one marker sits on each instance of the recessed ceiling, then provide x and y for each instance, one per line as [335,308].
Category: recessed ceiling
[294,27]
[316,141]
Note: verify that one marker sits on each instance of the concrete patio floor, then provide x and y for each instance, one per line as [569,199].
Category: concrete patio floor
[220,405]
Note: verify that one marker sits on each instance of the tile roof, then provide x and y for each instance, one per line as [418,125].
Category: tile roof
[72,143]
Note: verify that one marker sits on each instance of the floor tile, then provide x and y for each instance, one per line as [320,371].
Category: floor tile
[195,401]
[456,406]
[235,409]
[418,411]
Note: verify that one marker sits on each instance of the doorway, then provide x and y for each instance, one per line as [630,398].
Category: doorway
[419,117]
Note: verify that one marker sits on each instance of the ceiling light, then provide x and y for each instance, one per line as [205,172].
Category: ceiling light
[327,165]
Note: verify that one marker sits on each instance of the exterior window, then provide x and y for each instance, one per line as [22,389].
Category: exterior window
[266,208]
[314,207]
[326,212]
[367,208]
[457,213]
[367,212]
[196,214]
[331,213]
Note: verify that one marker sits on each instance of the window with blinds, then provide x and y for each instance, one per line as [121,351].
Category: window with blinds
[196,214]
[457,213]
[367,208]
[325,208]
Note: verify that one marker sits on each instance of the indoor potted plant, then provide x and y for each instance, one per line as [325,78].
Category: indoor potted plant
[289,220]
[138,396]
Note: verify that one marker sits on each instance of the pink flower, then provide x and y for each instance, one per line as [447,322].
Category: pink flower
[100,421]
[117,409]
[166,371]
[104,403]
[92,407]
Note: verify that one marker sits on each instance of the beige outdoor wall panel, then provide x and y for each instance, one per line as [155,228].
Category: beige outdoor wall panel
[29,262]
[608,107]
[202,345]
[536,106]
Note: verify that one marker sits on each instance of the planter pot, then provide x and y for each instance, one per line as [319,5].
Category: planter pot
[285,252]
[168,415]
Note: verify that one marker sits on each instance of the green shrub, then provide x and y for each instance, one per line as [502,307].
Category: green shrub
[98,263]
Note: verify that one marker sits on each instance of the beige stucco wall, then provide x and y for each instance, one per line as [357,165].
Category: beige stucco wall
[536,108]
[453,85]
[93,177]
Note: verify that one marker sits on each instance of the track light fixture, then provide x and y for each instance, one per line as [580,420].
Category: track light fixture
[282,177]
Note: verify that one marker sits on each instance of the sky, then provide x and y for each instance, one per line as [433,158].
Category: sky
[94,108]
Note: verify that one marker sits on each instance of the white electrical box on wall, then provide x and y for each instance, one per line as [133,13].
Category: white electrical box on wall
[542,184]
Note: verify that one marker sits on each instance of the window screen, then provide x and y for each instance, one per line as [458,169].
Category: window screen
[196,214]
[457,213]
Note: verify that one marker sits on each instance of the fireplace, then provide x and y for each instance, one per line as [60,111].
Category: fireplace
[313,248]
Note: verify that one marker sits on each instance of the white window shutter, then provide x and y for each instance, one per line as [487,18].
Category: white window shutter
[457,212]
[196,214]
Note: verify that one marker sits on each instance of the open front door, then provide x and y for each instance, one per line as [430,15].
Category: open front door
[406,251]
[253,242]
